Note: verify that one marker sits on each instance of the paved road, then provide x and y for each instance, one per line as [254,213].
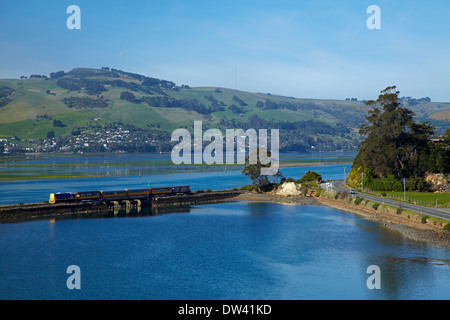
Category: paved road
[435,212]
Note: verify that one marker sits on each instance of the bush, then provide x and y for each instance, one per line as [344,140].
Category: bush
[311,176]
[375,206]
[424,219]
[343,195]
[358,201]
[383,194]
[304,190]
[447,227]
[337,195]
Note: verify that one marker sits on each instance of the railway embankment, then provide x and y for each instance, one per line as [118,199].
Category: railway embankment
[29,211]
[19,212]
[194,198]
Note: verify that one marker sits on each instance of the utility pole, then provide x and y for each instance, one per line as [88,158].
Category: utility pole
[404,189]
[362,181]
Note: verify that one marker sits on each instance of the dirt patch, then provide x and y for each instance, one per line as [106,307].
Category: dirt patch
[274,198]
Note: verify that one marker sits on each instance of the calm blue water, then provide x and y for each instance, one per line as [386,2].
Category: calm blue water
[198,177]
[220,251]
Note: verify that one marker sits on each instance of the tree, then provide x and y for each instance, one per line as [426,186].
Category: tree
[311,176]
[50,134]
[253,171]
[58,123]
[395,143]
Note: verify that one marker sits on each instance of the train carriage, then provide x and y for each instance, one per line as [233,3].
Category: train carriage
[114,194]
[87,195]
[162,190]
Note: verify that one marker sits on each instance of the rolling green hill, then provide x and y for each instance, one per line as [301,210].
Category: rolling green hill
[85,98]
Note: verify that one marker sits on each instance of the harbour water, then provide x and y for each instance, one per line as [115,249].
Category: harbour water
[233,250]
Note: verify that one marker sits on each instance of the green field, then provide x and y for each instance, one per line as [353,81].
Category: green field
[420,198]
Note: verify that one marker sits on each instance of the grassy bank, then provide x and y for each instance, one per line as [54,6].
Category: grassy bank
[427,199]
[383,212]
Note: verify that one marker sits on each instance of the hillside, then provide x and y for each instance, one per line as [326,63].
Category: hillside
[68,105]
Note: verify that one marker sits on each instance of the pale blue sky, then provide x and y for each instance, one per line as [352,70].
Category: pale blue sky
[301,48]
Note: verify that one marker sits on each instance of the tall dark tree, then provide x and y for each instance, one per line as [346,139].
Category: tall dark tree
[395,143]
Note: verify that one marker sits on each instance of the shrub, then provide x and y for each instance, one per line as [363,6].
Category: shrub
[317,194]
[304,190]
[375,206]
[358,201]
[447,227]
[337,195]
[383,194]
[343,195]
[424,219]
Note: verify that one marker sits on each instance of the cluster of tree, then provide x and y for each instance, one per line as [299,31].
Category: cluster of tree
[115,73]
[187,104]
[58,124]
[236,110]
[92,87]
[412,101]
[294,106]
[128,96]
[309,127]
[396,146]
[5,92]
[57,75]
[89,72]
[153,82]
[133,86]
[146,81]
[215,104]
[240,101]
[38,76]
[85,102]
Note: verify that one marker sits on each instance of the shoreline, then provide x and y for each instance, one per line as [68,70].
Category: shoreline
[412,229]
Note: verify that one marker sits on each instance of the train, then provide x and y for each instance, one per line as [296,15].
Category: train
[117,195]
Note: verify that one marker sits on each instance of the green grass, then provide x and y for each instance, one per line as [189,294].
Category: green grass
[419,198]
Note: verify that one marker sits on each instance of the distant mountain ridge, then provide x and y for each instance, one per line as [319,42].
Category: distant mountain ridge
[70,103]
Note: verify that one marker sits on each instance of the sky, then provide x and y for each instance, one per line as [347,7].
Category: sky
[304,48]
